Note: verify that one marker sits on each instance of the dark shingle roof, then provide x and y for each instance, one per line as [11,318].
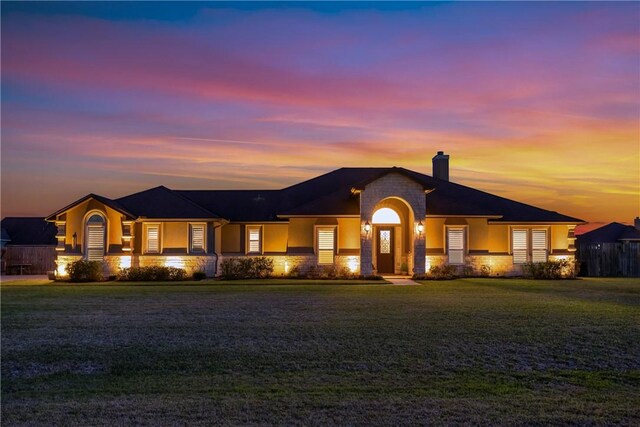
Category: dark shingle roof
[29,231]
[609,233]
[328,194]
[447,198]
[161,202]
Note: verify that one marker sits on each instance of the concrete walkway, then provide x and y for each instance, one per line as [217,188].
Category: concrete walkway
[401,280]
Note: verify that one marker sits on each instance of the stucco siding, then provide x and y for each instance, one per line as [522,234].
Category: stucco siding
[275,237]
[348,233]
[231,238]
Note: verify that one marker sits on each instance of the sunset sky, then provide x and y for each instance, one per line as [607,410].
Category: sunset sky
[538,102]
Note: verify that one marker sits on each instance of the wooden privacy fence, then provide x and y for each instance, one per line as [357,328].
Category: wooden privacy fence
[39,259]
[620,259]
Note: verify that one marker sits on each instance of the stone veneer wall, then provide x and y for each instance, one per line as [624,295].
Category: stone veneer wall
[283,264]
[500,265]
[190,263]
[113,263]
[398,186]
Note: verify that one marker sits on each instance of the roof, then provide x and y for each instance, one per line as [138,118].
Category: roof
[161,202]
[610,233]
[105,200]
[329,194]
[29,231]
[333,196]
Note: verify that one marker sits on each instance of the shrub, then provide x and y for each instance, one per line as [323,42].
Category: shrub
[438,272]
[152,273]
[199,275]
[246,268]
[548,270]
[85,271]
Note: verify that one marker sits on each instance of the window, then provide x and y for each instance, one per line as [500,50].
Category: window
[519,246]
[153,239]
[539,245]
[253,238]
[326,245]
[95,237]
[197,237]
[455,237]
[385,216]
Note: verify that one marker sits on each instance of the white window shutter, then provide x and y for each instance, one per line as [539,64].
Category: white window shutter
[456,245]
[153,239]
[95,242]
[326,244]
[254,240]
[197,237]
[539,245]
[519,246]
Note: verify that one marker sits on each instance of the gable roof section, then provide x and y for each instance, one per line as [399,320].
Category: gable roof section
[609,233]
[29,231]
[106,201]
[163,203]
[446,199]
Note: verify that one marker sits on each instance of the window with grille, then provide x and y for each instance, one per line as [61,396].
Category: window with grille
[254,240]
[539,245]
[197,237]
[326,245]
[455,237]
[153,239]
[95,238]
[519,246]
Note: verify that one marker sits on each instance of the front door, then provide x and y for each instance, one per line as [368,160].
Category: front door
[385,250]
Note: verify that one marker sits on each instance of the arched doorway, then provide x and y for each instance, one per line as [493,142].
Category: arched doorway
[391,236]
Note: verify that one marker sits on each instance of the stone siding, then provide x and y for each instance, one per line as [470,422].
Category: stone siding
[399,186]
[499,265]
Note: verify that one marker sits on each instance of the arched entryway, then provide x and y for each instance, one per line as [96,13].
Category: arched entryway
[392,238]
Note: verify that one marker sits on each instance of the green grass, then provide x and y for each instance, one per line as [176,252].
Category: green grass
[483,351]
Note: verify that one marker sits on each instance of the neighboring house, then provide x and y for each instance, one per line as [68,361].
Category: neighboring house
[611,250]
[28,245]
[368,220]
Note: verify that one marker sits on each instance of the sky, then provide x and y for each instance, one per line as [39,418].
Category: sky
[537,102]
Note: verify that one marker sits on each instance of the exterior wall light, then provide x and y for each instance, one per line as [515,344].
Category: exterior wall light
[74,241]
[367,227]
[420,228]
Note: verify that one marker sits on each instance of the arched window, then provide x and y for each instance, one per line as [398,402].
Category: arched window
[95,237]
[385,216]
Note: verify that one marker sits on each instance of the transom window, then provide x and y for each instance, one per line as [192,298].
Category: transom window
[326,245]
[385,216]
[95,230]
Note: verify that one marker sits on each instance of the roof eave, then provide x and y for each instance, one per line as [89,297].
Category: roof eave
[52,217]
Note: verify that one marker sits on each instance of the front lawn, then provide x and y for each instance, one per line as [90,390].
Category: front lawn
[482,351]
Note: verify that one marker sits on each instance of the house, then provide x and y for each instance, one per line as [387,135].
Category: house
[367,220]
[611,250]
[28,245]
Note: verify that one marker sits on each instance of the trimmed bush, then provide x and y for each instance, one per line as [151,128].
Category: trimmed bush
[154,273]
[199,275]
[438,272]
[548,270]
[85,271]
[246,268]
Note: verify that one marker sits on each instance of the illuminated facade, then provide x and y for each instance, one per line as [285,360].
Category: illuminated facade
[360,220]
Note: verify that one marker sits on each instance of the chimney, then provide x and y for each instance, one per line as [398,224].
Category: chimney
[636,223]
[441,166]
